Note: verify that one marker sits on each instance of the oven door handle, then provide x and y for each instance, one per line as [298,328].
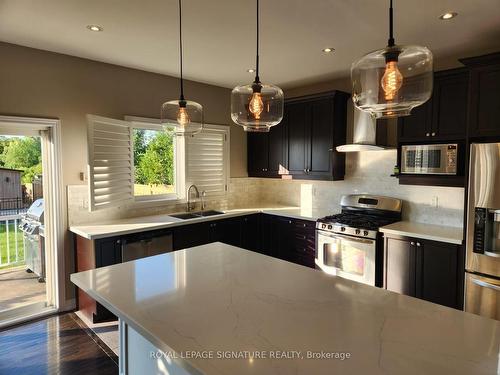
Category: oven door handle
[347,238]
[485,284]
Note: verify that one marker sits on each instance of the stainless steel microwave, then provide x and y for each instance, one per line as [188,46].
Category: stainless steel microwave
[429,159]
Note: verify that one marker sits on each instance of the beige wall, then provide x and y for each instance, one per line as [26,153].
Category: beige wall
[37,83]
[45,84]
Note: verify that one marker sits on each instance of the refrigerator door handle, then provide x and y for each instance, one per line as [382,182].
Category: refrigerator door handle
[486,284]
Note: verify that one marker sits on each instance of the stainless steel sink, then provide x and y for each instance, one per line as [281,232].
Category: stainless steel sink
[209,213]
[185,216]
[196,215]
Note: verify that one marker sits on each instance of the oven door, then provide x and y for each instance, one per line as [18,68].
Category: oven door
[349,257]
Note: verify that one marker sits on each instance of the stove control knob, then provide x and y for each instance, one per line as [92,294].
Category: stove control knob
[342,229]
[358,231]
[365,233]
[323,226]
[330,227]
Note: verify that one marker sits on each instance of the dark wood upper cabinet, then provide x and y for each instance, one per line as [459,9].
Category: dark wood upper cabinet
[258,154]
[303,144]
[416,126]
[316,125]
[449,109]
[321,137]
[484,108]
[298,118]
[444,116]
[277,148]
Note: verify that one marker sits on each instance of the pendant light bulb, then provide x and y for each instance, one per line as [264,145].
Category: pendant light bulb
[392,80]
[256,105]
[183,116]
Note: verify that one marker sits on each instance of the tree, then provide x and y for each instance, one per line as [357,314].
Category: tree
[156,165]
[23,153]
[140,147]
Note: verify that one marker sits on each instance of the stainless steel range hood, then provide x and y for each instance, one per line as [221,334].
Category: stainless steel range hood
[364,134]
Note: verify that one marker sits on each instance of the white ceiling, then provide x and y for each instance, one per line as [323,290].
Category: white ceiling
[219,35]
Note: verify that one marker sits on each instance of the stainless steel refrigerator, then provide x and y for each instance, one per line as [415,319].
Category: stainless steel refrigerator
[482,277]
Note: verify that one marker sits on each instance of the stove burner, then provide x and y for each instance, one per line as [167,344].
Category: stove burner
[363,221]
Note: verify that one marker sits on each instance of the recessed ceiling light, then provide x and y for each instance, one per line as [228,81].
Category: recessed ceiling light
[328,49]
[448,16]
[94,28]
[251,70]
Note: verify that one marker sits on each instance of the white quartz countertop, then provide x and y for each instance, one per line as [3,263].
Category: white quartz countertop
[425,231]
[218,297]
[139,224]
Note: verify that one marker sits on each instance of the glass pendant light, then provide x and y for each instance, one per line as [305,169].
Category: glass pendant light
[185,116]
[392,81]
[257,106]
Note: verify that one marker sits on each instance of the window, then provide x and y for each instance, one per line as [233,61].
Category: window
[154,163]
[137,160]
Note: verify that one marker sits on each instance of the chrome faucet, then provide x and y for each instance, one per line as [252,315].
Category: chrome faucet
[192,205]
[203,203]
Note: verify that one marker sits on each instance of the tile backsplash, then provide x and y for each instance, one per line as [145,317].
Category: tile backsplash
[366,172]
[369,172]
[243,192]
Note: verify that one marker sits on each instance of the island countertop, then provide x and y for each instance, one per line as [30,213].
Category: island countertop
[218,297]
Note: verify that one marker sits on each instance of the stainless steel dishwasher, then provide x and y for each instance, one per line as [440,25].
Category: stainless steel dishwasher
[146,244]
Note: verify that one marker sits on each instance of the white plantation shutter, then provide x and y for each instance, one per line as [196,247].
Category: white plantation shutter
[207,160]
[111,165]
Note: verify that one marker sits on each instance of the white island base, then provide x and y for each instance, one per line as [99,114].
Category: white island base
[218,298]
[138,356]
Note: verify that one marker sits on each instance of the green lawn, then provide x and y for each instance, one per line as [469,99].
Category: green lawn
[10,241]
[152,189]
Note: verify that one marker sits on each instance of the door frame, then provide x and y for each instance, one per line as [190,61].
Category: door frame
[53,187]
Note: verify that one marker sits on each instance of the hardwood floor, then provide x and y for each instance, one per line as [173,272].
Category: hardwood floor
[54,345]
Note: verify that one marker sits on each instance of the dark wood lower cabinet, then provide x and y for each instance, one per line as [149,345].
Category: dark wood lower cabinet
[289,239]
[250,232]
[191,235]
[90,255]
[432,271]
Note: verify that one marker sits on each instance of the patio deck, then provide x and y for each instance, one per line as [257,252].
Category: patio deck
[19,288]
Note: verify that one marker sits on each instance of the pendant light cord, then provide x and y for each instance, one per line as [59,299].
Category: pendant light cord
[390,42]
[180,49]
[257,78]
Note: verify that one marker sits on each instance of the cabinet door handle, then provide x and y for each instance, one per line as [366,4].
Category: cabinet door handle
[427,134]
[433,134]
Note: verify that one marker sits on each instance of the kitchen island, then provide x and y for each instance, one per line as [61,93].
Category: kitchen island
[219,309]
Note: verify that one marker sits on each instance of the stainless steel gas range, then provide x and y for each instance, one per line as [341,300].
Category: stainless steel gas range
[349,244]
